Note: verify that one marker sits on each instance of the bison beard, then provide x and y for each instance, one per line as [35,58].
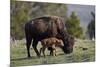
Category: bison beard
[45,27]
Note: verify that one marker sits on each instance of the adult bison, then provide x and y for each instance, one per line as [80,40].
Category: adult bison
[45,27]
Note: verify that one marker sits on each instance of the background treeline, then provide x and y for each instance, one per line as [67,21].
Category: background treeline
[22,11]
[91,27]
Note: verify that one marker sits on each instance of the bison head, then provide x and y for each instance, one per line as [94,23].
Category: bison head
[68,44]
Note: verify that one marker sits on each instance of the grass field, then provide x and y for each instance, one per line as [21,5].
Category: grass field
[84,51]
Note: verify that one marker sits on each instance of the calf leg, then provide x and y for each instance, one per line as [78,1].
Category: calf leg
[40,51]
[51,51]
[54,50]
[43,50]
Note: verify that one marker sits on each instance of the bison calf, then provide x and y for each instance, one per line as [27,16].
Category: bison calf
[51,42]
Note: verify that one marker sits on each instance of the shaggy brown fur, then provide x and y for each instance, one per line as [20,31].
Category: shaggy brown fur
[51,42]
[45,27]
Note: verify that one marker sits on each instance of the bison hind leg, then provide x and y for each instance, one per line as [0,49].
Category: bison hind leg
[34,45]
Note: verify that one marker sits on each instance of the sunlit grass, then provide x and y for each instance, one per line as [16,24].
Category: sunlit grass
[84,51]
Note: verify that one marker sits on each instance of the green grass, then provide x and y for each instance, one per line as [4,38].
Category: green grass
[18,54]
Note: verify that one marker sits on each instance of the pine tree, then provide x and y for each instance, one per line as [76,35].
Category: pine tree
[73,25]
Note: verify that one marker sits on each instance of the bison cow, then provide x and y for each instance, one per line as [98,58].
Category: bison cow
[45,27]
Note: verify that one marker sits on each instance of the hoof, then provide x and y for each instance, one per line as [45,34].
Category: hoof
[29,57]
[38,55]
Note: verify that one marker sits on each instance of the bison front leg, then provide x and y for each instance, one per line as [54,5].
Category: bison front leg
[28,43]
[34,45]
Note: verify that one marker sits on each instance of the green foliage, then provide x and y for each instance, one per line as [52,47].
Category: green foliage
[19,14]
[22,11]
[73,26]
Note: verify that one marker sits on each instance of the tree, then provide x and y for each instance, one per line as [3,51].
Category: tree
[73,25]
[22,11]
[19,14]
[91,27]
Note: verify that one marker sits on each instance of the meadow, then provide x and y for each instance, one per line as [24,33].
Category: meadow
[84,51]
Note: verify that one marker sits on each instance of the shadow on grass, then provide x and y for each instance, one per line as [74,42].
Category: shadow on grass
[24,58]
[33,57]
